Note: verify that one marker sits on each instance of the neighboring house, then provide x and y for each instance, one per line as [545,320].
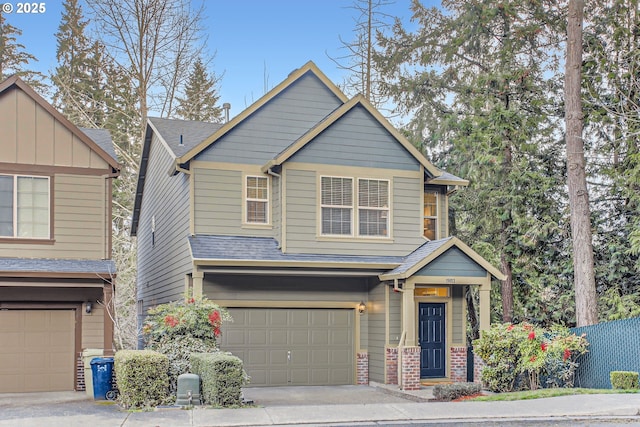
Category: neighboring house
[321,228]
[55,242]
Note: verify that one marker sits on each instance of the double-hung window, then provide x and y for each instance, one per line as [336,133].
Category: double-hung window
[373,207]
[257,200]
[365,215]
[24,207]
[336,204]
[430,214]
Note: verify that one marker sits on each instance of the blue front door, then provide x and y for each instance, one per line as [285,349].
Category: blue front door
[432,340]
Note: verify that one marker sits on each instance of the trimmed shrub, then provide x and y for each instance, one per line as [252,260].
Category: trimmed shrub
[142,378]
[624,380]
[180,328]
[221,376]
[455,390]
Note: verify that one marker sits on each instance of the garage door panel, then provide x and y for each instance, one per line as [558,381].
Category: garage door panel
[293,346]
[38,348]
[276,337]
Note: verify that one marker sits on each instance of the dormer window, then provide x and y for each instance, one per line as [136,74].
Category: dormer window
[431,215]
[24,207]
[257,200]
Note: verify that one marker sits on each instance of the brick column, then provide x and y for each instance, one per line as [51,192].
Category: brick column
[459,364]
[80,386]
[362,368]
[478,366]
[391,363]
[411,368]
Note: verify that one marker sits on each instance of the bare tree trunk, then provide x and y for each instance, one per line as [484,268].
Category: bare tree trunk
[583,262]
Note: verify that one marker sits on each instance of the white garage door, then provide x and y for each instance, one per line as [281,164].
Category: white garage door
[292,346]
[37,351]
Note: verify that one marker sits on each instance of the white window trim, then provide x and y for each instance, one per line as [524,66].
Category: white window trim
[245,211]
[387,209]
[352,216]
[355,206]
[15,207]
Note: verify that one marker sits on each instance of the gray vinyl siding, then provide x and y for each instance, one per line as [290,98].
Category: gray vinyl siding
[284,288]
[218,204]
[376,321]
[276,125]
[80,206]
[457,303]
[302,219]
[276,208]
[395,318]
[453,262]
[163,266]
[357,139]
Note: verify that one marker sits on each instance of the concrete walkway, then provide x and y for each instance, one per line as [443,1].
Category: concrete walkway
[74,409]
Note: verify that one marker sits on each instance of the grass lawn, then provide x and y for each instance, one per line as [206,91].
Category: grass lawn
[547,392]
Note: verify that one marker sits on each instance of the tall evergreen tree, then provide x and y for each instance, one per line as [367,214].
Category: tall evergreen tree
[200,96]
[612,126]
[477,80]
[14,59]
[76,86]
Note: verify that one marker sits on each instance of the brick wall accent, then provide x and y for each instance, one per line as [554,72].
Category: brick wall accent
[80,386]
[391,362]
[411,368]
[478,366]
[362,368]
[459,364]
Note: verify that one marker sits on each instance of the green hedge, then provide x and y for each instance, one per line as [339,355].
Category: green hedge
[222,377]
[624,380]
[142,378]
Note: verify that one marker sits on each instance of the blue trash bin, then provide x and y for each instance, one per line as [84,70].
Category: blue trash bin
[102,372]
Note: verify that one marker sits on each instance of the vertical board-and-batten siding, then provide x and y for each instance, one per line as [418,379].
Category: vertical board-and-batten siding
[80,215]
[276,125]
[163,266]
[32,136]
[302,212]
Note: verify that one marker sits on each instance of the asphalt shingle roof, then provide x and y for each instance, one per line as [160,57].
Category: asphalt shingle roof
[192,132]
[418,255]
[40,265]
[266,249]
[102,137]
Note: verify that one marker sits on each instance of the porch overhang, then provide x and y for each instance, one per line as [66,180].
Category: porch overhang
[431,251]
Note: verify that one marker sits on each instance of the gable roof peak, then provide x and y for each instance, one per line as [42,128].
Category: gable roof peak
[98,147]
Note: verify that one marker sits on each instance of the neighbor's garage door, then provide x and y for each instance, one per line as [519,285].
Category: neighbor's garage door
[292,346]
[36,350]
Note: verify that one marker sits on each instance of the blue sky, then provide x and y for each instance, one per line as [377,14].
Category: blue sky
[251,38]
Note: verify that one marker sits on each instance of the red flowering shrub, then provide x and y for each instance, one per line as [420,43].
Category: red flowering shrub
[180,328]
[519,356]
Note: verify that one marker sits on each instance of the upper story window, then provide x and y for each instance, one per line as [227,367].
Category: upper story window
[430,214]
[257,200]
[373,207]
[24,207]
[338,204]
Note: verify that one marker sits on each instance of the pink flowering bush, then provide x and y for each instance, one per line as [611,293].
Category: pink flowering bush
[524,356]
[180,328]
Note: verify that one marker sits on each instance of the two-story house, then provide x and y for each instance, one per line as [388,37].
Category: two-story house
[56,274]
[320,228]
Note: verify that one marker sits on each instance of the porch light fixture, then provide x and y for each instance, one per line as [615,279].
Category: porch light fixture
[361,307]
[88,307]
